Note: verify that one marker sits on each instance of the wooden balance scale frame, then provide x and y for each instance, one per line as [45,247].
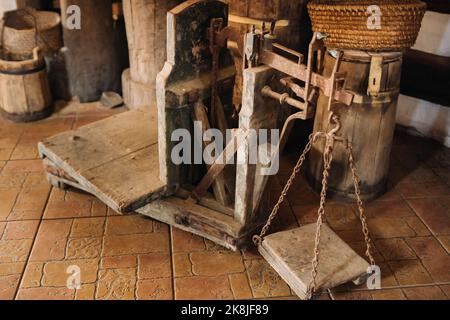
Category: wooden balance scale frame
[125,160]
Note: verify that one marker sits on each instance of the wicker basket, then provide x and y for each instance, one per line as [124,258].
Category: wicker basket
[25,29]
[345,23]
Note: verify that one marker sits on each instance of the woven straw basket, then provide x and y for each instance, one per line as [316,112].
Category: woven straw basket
[345,23]
[24,29]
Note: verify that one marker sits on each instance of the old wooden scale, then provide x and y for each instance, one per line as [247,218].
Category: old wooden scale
[116,159]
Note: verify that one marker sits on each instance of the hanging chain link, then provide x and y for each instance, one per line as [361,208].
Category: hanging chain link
[257,239]
[359,203]
[327,160]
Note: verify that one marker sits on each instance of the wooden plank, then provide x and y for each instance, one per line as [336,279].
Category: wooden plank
[258,112]
[216,169]
[114,159]
[51,168]
[62,183]
[201,84]
[208,201]
[261,180]
[214,223]
[103,141]
[183,214]
[290,253]
[129,182]
[221,193]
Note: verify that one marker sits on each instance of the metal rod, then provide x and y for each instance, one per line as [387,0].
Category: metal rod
[297,89]
[283,98]
[300,71]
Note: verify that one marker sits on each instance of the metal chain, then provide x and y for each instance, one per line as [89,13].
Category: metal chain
[327,160]
[257,239]
[359,203]
[331,138]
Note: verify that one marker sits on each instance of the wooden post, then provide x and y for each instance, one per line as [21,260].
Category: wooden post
[221,193]
[258,112]
[92,59]
[146,22]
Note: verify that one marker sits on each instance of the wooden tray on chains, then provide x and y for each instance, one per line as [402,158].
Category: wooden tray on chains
[290,253]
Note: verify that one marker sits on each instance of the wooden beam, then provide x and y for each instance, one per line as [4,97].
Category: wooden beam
[298,71]
[426,76]
[441,6]
[220,191]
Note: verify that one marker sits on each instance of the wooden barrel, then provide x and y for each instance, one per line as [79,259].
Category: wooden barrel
[368,123]
[146,22]
[24,90]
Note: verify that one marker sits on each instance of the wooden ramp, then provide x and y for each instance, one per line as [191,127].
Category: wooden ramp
[115,159]
[290,253]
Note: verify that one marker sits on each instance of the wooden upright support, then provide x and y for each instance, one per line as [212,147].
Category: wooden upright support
[258,112]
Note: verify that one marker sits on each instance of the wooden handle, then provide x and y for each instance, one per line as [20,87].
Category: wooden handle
[258,23]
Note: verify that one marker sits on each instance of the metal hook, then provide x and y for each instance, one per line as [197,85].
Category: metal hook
[334,119]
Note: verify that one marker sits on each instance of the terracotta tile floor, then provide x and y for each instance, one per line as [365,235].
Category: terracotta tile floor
[43,231]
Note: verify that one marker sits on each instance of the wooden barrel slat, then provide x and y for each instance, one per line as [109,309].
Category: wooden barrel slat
[369,124]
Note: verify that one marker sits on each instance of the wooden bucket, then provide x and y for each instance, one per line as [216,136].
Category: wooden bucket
[24,90]
[368,123]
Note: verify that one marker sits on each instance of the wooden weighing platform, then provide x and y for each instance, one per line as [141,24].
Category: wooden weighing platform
[116,160]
